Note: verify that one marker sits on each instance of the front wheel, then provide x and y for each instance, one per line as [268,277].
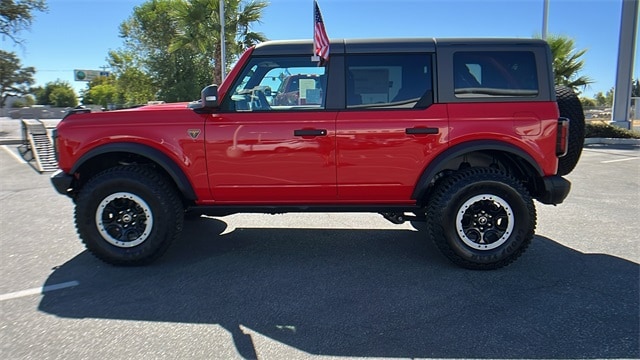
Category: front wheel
[481,218]
[128,215]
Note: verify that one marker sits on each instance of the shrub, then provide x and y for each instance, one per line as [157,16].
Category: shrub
[604,130]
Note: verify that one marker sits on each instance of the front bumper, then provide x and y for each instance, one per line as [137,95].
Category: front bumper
[62,182]
[556,189]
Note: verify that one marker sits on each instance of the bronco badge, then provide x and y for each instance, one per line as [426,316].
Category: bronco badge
[193,133]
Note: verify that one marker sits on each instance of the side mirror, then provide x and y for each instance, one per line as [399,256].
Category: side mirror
[210,97]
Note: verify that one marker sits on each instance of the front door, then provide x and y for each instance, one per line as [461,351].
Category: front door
[273,142]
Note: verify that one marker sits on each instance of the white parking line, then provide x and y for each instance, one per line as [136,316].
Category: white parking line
[39,290]
[13,154]
[618,160]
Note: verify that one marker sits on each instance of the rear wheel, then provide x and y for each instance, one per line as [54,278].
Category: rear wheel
[481,218]
[571,108]
[128,215]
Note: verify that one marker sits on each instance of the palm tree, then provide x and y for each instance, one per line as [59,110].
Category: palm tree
[247,15]
[567,62]
[198,22]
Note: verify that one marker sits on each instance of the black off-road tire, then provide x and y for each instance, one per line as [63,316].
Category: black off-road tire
[128,215]
[481,218]
[571,108]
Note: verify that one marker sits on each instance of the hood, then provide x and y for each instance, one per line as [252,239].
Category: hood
[170,106]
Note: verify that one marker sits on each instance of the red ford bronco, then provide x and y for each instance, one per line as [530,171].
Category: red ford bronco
[462,134]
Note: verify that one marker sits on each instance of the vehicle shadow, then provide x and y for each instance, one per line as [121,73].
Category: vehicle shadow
[367,293]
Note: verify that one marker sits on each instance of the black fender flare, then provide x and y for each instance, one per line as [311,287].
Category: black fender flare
[162,160]
[438,164]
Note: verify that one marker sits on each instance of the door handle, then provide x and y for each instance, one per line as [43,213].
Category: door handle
[421,131]
[310,132]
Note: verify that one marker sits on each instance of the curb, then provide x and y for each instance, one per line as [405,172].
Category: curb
[612,141]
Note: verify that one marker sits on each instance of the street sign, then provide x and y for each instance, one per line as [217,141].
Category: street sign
[88,75]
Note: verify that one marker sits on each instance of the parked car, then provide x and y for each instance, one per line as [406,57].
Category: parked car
[462,134]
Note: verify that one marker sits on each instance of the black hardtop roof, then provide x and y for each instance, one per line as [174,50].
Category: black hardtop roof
[392,45]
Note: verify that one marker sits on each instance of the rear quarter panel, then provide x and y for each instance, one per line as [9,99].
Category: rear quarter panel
[530,126]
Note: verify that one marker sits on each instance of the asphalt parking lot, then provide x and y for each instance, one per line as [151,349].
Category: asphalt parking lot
[299,286]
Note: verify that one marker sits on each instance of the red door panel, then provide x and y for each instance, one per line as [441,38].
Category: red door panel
[277,157]
[381,153]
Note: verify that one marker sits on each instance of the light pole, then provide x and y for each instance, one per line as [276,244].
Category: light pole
[545,19]
[223,56]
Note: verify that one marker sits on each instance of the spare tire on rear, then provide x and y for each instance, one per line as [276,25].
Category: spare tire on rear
[571,108]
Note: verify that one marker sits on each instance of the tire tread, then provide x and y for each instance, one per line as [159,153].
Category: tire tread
[443,196]
[570,107]
[157,184]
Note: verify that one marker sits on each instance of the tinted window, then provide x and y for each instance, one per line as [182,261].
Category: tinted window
[495,73]
[286,83]
[389,81]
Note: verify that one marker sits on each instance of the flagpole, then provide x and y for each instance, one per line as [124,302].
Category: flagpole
[314,57]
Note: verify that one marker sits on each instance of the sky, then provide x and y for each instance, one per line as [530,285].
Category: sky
[78,34]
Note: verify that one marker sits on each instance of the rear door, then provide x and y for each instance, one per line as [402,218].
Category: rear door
[390,129]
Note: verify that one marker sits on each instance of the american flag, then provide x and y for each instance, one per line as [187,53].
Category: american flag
[320,38]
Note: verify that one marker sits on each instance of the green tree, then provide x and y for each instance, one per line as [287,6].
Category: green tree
[198,22]
[605,99]
[175,76]
[26,101]
[56,93]
[101,91]
[247,14]
[587,102]
[635,88]
[568,62]
[63,96]
[17,15]
[171,47]
[134,86]
[14,79]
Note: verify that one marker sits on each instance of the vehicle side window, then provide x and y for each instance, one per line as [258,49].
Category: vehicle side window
[278,84]
[389,81]
[495,73]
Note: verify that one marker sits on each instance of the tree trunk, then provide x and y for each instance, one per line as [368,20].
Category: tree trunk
[217,72]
